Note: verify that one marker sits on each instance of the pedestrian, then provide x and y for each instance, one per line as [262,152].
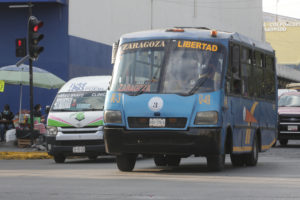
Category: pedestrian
[37,114]
[6,121]
[37,110]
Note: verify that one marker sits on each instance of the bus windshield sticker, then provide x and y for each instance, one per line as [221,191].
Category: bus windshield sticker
[133,88]
[143,44]
[198,45]
[115,99]
[63,103]
[205,99]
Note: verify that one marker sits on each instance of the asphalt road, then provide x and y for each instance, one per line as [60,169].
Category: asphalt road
[275,177]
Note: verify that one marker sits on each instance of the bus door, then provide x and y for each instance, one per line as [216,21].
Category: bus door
[235,103]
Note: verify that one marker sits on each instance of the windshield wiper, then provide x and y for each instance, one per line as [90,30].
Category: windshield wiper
[61,110]
[94,109]
[197,85]
[146,83]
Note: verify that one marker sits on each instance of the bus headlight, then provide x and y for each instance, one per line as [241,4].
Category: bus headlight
[51,131]
[113,116]
[208,117]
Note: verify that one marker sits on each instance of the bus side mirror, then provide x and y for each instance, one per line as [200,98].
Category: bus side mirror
[114,52]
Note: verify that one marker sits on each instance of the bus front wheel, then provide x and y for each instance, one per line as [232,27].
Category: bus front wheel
[126,162]
[59,158]
[216,163]
[237,160]
[283,142]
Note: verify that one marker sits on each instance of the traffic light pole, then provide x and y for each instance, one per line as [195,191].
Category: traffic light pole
[31,86]
[31,99]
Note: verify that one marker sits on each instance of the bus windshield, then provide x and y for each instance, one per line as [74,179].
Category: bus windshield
[173,66]
[79,101]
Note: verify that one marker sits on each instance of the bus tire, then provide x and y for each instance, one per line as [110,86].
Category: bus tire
[160,160]
[173,160]
[126,162]
[274,145]
[283,142]
[237,160]
[59,158]
[251,159]
[216,163]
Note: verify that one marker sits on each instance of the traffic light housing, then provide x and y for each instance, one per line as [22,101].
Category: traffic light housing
[34,37]
[21,47]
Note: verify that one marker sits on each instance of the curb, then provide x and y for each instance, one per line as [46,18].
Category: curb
[24,155]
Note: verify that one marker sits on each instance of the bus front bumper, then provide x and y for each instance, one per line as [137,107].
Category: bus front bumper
[198,141]
[66,147]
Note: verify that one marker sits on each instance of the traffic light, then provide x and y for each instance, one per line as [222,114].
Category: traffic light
[34,37]
[21,47]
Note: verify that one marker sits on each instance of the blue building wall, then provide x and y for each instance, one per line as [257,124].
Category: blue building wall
[89,58]
[54,58]
[64,55]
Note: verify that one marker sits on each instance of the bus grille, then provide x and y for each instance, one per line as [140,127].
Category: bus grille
[83,130]
[143,122]
[79,142]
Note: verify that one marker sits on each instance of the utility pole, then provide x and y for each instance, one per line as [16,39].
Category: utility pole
[30,78]
[151,14]
[277,10]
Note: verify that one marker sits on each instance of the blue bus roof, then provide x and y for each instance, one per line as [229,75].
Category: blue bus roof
[194,34]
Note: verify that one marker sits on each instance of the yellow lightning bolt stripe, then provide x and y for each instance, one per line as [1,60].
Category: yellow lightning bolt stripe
[248,131]
[253,107]
[265,147]
[241,149]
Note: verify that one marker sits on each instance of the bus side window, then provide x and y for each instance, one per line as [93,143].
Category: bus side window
[237,85]
[235,64]
[233,76]
[269,78]
[247,72]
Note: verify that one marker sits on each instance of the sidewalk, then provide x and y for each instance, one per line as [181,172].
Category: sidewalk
[9,151]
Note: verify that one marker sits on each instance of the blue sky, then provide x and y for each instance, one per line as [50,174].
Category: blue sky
[290,8]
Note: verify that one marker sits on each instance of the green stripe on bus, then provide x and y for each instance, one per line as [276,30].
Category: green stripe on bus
[52,122]
[97,123]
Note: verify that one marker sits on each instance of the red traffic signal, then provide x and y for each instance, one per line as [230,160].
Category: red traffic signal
[21,47]
[38,26]
[34,37]
[19,42]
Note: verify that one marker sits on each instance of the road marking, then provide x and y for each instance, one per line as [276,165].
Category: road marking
[152,174]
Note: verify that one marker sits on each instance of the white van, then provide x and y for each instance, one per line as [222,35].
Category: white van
[75,120]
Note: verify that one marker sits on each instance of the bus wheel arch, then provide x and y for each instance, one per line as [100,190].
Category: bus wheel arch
[237,160]
[228,141]
[258,136]
[252,157]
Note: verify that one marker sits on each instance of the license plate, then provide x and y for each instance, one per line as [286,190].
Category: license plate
[79,149]
[293,128]
[157,122]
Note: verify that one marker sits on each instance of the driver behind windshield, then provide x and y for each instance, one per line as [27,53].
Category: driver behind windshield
[188,72]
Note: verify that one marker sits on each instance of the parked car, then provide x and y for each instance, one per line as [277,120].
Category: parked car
[289,117]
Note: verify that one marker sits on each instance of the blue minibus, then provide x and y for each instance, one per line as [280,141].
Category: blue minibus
[185,91]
